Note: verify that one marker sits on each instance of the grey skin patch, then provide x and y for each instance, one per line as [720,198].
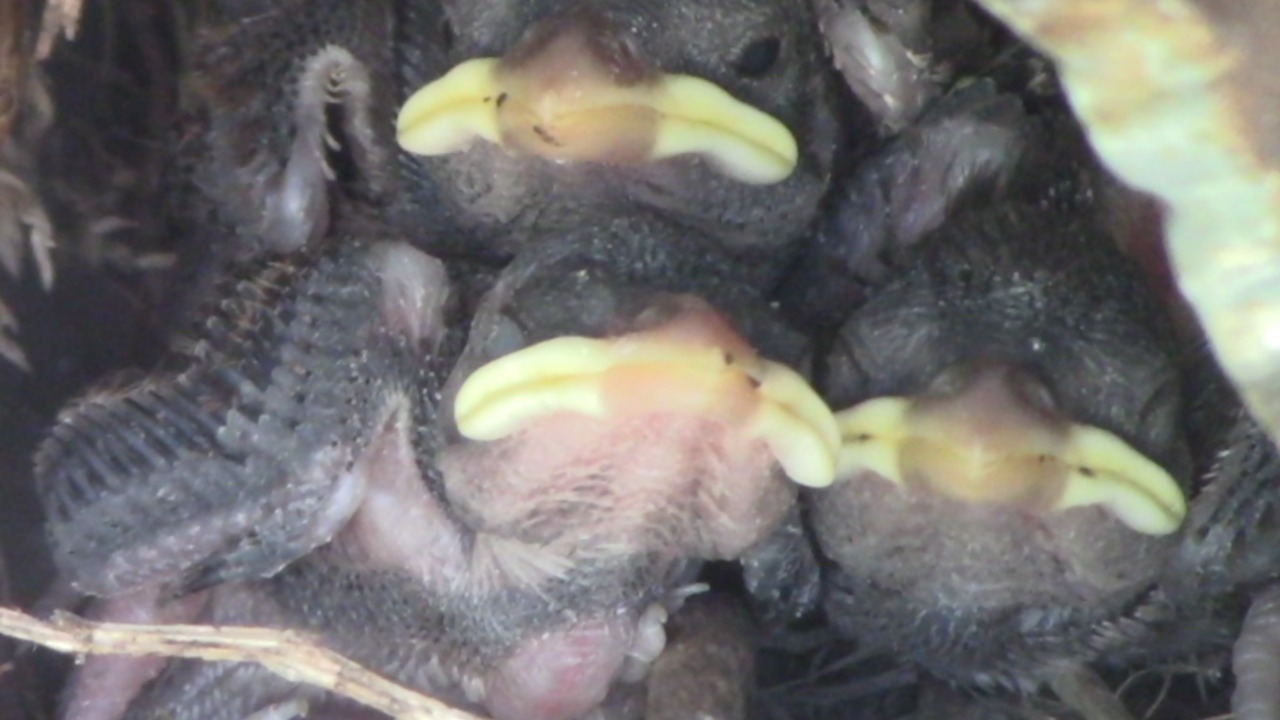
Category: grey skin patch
[415,292]
[963,151]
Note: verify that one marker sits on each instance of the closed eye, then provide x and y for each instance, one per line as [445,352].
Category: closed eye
[759,57]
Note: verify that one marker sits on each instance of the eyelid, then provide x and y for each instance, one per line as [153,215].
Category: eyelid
[764,50]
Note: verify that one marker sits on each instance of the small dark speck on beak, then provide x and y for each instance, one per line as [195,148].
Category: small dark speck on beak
[546,135]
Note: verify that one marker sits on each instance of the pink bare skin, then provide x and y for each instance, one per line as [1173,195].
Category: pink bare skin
[101,687]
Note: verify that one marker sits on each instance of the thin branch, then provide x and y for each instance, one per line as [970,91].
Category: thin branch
[285,653]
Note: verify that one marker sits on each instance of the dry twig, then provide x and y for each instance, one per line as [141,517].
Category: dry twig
[285,653]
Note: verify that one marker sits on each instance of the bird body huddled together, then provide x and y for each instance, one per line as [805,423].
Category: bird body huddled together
[543,356]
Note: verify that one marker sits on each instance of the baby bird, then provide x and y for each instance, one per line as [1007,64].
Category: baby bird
[506,526]
[505,121]
[1016,466]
